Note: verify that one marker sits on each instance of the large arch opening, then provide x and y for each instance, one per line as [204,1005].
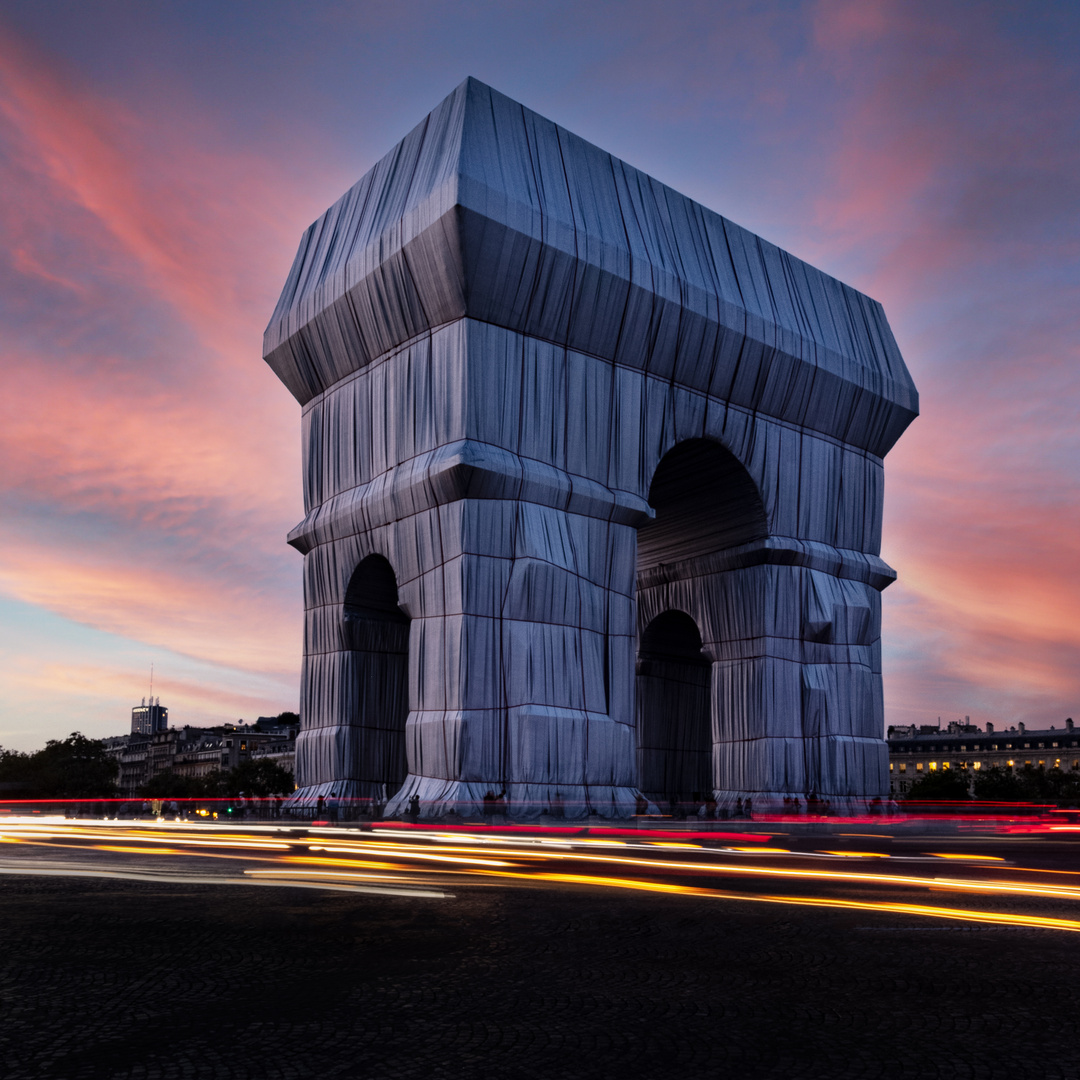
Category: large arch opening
[376,633]
[673,713]
[705,501]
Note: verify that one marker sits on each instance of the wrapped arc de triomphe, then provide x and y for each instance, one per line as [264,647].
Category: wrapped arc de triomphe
[593,488]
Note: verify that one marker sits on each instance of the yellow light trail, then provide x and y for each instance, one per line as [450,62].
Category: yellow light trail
[423,855]
[857,854]
[926,910]
[464,860]
[397,849]
[966,858]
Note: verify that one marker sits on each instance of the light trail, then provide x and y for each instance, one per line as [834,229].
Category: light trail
[124,874]
[926,910]
[344,858]
[424,855]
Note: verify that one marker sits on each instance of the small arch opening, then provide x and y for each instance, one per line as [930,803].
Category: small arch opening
[673,713]
[375,633]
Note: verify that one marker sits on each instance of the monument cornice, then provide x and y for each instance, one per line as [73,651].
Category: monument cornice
[438,231]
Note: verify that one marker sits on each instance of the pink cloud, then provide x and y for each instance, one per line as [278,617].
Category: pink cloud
[224,620]
[152,470]
[917,152]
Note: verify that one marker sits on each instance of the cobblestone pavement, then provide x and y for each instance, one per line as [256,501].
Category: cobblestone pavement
[102,979]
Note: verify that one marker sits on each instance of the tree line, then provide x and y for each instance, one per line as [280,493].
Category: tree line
[80,768]
[998,784]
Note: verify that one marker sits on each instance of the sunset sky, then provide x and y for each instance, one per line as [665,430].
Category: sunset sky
[158,163]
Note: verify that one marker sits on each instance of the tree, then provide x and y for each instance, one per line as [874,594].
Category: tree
[946,785]
[14,772]
[71,768]
[998,784]
[266,723]
[172,785]
[259,777]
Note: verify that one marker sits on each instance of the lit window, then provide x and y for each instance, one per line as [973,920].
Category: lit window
[1076,764]
[1057,763]
[1054,744]
[963,746]
[903,767]
[890,766]
[994,747]
[933,766]
[1010,763]
[1008,746]
[918,766]
[977,765]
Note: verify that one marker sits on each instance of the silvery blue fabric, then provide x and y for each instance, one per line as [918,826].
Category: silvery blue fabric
[548,400]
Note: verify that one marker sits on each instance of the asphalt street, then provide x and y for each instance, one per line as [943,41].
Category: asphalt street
[174,949]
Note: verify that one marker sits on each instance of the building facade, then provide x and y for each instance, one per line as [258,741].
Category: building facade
[916,751]
[195,752]
[149,718]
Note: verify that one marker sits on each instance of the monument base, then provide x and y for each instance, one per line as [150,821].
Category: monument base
[521,802]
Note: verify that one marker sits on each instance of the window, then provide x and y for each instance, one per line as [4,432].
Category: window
[890,766]
[918,766]
[994,747]
[1027,746]
[946,765]
[1057,763]
[903,767]
[1008,746]
[963,746]
[933,766]
[977,765]
[1054,744]
[1010,763]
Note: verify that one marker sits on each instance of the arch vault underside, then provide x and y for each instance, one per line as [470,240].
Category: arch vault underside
[593,483]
